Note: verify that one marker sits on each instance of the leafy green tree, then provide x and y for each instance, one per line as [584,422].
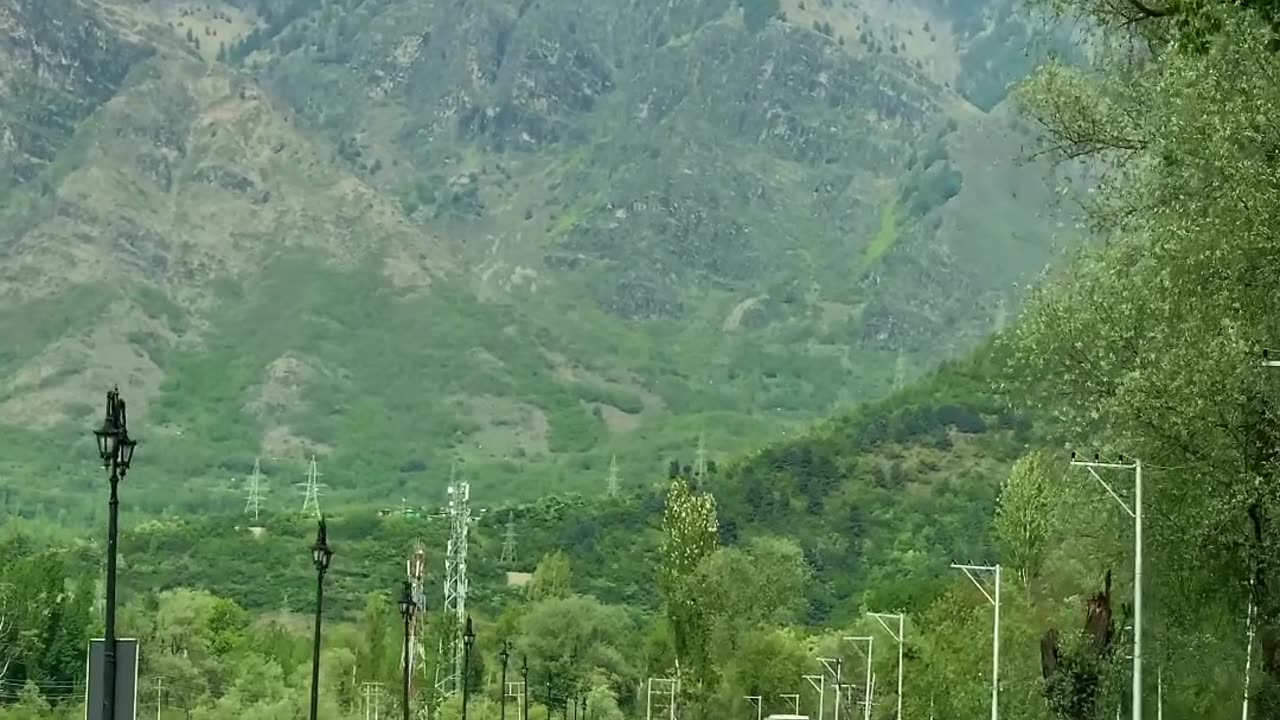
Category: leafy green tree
[690,534]
[1025,514]
[551,579]
[1151,344]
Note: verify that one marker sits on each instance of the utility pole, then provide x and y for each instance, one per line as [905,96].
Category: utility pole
[833,666]
[311,499]
[819,683]
[611,482]
[700,459]
[509,541]
[1136,513]
[254,502]
[993,598]
[159,696]
[1248,658]
[867,686]
[900,636]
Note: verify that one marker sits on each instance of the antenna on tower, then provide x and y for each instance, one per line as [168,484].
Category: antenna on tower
[416,572]
[611,483]
[509,541]
[254,502]
[455,587]
[312,500]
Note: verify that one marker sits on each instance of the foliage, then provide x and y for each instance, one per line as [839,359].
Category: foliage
[1025,517]
[690,533]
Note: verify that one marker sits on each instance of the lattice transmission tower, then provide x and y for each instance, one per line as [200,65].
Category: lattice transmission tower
[611,483]
[416,573]
[449,669]
[311,499]
[253,503]
[509,541]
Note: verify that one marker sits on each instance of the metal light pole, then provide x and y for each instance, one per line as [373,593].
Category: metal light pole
[1136,513]
[116,451]
[321,554]
[524,690]
[505,655]
[866,688]
[900,637]
[994,599]
[407,609]
[468,639]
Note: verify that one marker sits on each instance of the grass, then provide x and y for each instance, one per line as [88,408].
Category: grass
[884,238]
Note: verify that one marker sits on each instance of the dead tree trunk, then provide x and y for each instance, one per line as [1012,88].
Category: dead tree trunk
[1073,674]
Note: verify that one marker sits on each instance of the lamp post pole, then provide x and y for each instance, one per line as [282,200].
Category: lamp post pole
[321,554]
[524,688]
[468,639]
[504,655]
[116,451]
[407,609]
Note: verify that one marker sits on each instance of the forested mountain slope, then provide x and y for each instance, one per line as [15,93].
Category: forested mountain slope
[529,236]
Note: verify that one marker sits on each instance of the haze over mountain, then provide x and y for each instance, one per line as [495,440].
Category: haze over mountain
[528,235]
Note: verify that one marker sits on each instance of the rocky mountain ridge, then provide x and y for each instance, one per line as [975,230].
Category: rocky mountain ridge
[531,235]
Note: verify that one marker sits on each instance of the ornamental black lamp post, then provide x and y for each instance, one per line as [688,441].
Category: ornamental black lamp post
[524,675]
[505,655]
[468,639]
[407,609]
[321,554]
[584,705]
[116,450]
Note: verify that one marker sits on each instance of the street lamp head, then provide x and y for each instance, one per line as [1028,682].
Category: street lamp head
[504,653]
[109,433]
[321,553]
[469,635]
[407,605]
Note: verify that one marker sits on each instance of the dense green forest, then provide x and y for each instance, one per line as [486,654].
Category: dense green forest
[1146,344]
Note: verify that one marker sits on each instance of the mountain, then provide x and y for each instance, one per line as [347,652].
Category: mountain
[527,236]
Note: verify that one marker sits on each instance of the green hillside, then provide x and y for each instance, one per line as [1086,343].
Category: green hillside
[522,237]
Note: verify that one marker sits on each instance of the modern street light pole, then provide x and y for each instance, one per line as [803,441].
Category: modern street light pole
[115,448]
[1136,513]
[504,655]
[407,609]
[900,637]
[866,688]
[994,599]
[468,639]
[321,554]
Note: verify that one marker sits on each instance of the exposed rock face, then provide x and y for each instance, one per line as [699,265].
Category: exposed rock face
[58,63]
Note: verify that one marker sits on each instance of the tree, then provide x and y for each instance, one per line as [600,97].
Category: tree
[1151,343]
[551,579]
[689,534]
[1024,516]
